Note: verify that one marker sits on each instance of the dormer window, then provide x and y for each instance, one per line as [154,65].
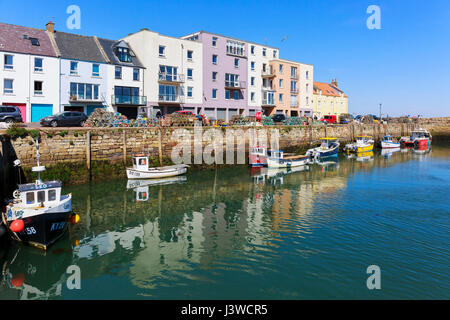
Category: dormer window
[34,42]
[124,54]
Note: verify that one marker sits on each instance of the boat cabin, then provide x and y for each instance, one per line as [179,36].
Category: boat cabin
[325,143]
[258,150]
[420,134]
[140,162]
[387,138]
[275,154]
[363,139]
[37,194]
[141,193]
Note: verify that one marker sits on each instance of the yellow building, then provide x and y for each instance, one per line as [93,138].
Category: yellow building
[329,99]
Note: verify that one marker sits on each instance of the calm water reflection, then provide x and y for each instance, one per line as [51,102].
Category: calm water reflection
[238,233]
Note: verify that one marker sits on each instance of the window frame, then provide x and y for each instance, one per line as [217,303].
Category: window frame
[96,74]
[41,68]
[74,72]
[8,66]
[10,91]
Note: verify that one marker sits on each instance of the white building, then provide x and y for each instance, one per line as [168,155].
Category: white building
[261,89]
[29,70]
[173,71]
[306,89]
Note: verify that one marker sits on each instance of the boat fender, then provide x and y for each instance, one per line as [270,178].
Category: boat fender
[17,226]
[18,280]
[74,218]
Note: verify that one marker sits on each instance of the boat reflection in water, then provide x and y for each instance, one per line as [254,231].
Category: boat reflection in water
[387,153]
[274,176]
[361,156]
[141,187]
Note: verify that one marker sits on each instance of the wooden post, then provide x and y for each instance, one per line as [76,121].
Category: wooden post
[160,148]
[88,150]
[124,147]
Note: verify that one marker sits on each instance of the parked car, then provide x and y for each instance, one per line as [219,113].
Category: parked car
[186,112]
[279,117]
[10,114]
[329,119]
[65,119]
[345,118]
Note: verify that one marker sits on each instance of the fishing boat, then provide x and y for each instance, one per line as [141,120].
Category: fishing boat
[39,214]
[278,159]
[329,147]
[141,169]
[420,138]
[362,144]
[388,143]
[257,156]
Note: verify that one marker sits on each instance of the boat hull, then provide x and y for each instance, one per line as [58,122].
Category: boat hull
[257,160]
[42,230]
[359,149]
[389,145]
[319,153]
[156,173]
[286,163]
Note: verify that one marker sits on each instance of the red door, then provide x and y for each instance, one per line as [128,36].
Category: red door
[22,108]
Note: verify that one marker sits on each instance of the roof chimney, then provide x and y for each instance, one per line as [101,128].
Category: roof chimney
[50,27]
[334,83]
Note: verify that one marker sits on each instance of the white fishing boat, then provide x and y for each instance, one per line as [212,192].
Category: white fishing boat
[277,159]
[39,214]
[388,143]
[141,169]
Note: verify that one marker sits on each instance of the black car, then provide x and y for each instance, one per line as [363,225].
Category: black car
[65,119]
[279,117]
[10,114]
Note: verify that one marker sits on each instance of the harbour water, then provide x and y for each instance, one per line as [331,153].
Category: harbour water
[237,233]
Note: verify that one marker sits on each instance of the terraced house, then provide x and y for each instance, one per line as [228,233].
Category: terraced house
[29,72]
[84,72]
[173,71]
[225,73]
[329,99]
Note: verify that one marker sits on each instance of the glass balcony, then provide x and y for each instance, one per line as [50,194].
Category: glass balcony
[170,78]
[170,98]
[129,100]
[235,84]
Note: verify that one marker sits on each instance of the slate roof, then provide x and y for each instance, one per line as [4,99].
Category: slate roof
[108,48]
[12,40]
[73,46]
[328,89]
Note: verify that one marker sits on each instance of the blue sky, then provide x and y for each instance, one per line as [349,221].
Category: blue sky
[405,65]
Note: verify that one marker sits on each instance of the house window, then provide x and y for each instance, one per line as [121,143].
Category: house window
[274,53]
[38,87]
[235,48]
[214,41]
[307,75]
[231,80]
[189,92]
[214,93]
[281,83]
[162,51]
[34,42]
[189,74]
[293,86]
[280,97]
[124,54]
[214,76]
[84,91]
[293,101]
[96,70]
[190,53]
[8,86]
[38,65]
[168,73]
[307,101]
[281,68]
[236,95]
[136,74]
[252,81]
[214,59]
[252,64]
[252,96]
[264,52]
[293,72]
[118,73]
[9,62]
[252,49]
[236,63]
[227,94]
[73,68]
[307,87]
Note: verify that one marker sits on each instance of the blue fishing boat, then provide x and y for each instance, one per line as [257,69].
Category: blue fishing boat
[329,147]
[388,143]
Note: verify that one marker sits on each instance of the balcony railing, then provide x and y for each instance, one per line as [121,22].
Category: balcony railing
[170,98]
[84,98]
[294,76]
[268,89]
[235,84]
[268,73]
[170,78]
[294,90]
[294,104]
[268,102]
[129,100]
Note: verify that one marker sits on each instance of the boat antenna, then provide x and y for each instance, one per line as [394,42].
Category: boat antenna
[38,168]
